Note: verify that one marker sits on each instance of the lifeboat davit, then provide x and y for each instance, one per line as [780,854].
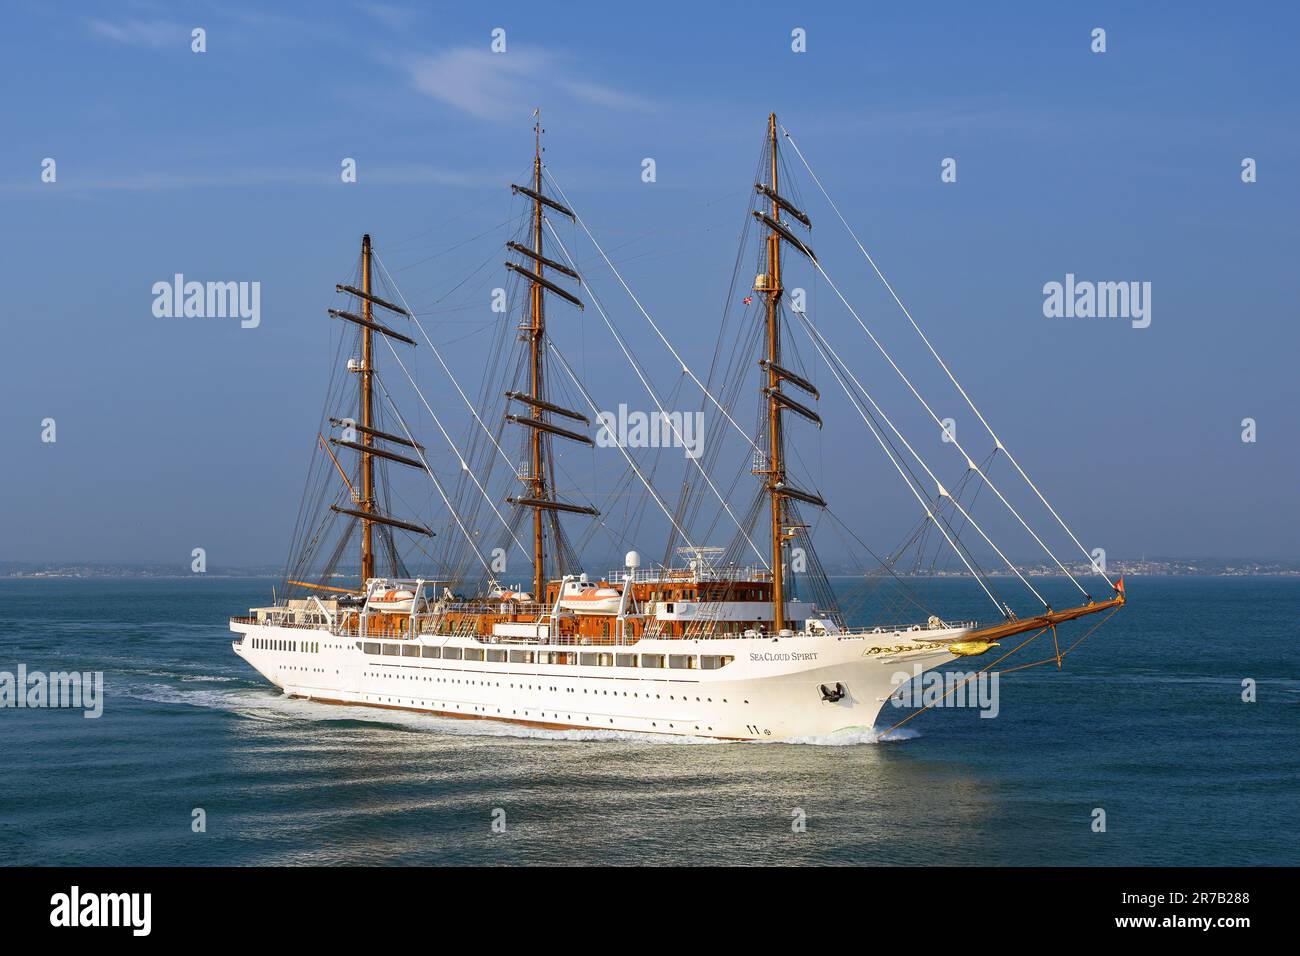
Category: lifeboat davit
[592,601]
[397,601]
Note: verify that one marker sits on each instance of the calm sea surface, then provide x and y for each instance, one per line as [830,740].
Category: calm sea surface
[1145,722]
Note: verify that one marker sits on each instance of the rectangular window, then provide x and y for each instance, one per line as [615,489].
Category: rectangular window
[682,661]
[431,651]
[391,650]
[496,655]
[711,662]
[523,657]
[652,660]
[451,653]
[371,647]
[410,650]
[625,660]
[473,654]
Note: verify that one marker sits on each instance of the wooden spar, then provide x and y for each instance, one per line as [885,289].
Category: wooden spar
[784,233]
[342,474]
[785,401]
[549,505]
[372,326]
[377,433]
[775,448]
[321,587]
[794,379]
[558,267]
[535,277]
[374,450]
[548,406]
[787,491]
[785,204]
[536,196]
[1049,619]
[364,294]
[371,517]
[367,422]
[549,428]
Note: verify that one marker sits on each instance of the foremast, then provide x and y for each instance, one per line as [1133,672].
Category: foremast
[779,491]
[776,441]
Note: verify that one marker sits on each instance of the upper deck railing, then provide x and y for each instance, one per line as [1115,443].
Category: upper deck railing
[423,623]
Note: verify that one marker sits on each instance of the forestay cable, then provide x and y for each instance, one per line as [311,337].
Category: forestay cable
[942,364]
[925,504]
[818,338]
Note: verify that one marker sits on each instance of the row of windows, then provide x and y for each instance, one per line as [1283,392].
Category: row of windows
[570,690]
[500,655]
[397,701]
[277,644]
[708,594]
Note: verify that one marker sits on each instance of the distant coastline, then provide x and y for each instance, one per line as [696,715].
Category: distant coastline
[1144,567]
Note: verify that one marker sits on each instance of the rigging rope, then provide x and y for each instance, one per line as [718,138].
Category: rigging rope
[436,483]
[943,492]
[626,288]
[944,366]
[618,339]
[907,480]
[595,411]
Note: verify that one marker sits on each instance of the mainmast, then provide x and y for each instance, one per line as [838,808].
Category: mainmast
[540,496]
[537,314]
[367,423]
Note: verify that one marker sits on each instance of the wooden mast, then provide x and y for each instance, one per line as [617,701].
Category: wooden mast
[776,457]
[536,330]
[367,423]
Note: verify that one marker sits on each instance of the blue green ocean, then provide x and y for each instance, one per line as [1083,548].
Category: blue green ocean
[1146,722]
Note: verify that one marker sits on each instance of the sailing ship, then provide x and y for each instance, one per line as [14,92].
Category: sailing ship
[742,642]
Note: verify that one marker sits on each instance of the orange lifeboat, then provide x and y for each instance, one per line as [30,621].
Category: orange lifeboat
[592,601]
[395,601]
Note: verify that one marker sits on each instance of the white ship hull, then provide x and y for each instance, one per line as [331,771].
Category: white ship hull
[770,689]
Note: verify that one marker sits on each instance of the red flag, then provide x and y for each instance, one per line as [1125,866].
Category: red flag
[748,299]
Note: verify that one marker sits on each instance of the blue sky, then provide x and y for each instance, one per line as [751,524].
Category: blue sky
[180,433]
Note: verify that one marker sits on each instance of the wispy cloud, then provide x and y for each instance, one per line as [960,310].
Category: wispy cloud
[155,33]
[395,18]
[409,174]
[503,86]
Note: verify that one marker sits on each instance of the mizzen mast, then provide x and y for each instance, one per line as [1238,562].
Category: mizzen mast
[367,431]
[367,422]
